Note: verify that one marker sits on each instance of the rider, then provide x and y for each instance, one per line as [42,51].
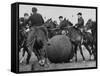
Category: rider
[61,19]
[35,18]
[80,23]
[62,22]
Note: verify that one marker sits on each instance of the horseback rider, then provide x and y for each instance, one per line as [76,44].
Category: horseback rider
[61,19]
[80,23]
[63,22]
[35,18]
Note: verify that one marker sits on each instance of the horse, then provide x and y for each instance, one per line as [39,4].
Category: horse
[33,40]
[36,42]
[90,37]
[75,36]
[79,37]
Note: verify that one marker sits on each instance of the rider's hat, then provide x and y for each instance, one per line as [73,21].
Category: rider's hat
[60,16]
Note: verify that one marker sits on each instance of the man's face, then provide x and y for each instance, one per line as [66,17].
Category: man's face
[26,17]
[79,16]
[61,19]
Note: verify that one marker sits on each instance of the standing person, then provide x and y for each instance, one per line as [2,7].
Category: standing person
[80,23]
[35,18]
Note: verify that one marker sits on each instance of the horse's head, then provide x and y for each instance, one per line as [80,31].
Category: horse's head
[50,23]
[89,24]
[74,34]
[69,23]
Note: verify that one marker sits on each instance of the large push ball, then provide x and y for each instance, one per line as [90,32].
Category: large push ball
[59,49]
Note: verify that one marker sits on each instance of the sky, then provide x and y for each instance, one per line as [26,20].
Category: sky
[54,12]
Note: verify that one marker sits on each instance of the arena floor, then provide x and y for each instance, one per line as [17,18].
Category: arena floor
[79,64]
[53,66]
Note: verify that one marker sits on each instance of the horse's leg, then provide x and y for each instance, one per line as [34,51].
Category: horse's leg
[88,49]
[46,61]
[76,53]
[94,51]
[22,57]
[81,51]
[23,52]
[45,56]
[29,52]
[36,54]
[42,58]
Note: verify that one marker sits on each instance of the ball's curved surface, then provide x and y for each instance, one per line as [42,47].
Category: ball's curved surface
[59,49]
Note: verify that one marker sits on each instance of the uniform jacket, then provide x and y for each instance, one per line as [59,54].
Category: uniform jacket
[36,20]
[62,24]
[80,23]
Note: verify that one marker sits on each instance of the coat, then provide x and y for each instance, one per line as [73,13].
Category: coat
[36,20]
[80,23]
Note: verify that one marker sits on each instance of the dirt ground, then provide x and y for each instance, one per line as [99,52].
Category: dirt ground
[52,66]
[34,66]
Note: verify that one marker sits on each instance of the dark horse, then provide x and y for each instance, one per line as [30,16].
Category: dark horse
[90,37]
[85,38]
[79,38]
[75,36]
[36,42]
